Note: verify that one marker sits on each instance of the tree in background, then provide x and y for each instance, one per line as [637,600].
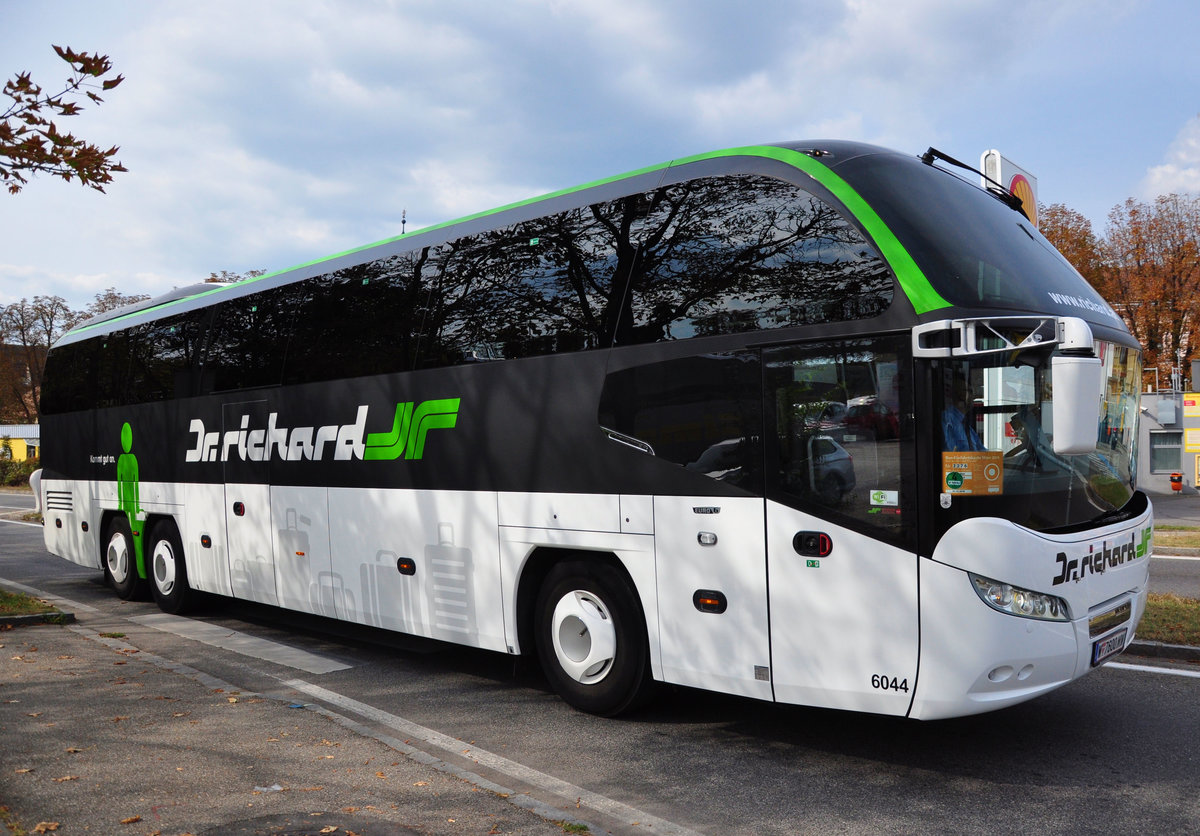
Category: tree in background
[30,142]
[1151,276]
[1071,233]
[1147,266]
[229,277]
[27,329]
[110,300]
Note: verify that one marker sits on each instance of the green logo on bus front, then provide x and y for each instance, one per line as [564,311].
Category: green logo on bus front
[411,424]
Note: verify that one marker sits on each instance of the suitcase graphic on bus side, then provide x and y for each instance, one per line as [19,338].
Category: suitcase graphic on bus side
[450,588]
[388,596]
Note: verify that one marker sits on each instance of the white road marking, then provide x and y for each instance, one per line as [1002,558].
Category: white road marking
[18,522]
[572,795]
[217,636]
[1125,666]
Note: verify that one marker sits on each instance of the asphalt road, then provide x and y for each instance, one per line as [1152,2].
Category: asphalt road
[1112,752]
[1176,509]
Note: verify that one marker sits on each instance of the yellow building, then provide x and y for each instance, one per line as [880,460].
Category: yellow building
[20,441]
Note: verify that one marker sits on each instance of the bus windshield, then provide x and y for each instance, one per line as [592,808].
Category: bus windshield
[996,455]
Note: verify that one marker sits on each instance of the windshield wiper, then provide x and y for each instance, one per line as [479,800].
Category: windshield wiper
[996,189]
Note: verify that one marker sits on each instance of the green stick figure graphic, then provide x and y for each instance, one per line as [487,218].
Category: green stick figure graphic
[129,496]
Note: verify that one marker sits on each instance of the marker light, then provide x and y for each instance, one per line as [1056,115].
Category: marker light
[1014,600]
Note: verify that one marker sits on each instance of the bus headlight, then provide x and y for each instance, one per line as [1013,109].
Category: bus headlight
[1014,600]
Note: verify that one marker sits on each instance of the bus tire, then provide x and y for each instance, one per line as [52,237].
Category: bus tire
[591,637]
[120,560]
[168,570]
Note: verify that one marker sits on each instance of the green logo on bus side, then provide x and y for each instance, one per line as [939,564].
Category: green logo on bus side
[409,427]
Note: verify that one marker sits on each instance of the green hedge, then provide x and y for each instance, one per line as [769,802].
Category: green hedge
[16,474]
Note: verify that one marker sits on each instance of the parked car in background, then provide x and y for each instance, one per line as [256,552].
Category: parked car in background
[870,416]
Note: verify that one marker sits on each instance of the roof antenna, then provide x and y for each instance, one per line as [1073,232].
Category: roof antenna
[403,218]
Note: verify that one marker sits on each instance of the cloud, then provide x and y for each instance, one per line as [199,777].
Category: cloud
[265,134]
[1180,172]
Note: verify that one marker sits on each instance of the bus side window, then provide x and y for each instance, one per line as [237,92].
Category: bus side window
[69,382]
[841,447]
[165,358]
[700,413]
[726,255]
[249,341]
[535,288]
[373,307]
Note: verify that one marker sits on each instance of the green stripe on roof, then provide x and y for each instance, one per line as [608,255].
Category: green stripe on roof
[912,280]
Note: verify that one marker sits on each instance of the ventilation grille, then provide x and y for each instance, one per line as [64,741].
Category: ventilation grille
[59,501]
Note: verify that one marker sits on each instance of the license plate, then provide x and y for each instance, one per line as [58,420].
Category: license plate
[1107,647]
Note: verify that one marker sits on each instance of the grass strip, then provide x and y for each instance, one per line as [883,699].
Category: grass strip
[18,603]
[1167,536]
[1171,619]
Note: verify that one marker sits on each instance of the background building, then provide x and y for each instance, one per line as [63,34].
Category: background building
[1169,439]
[19,442]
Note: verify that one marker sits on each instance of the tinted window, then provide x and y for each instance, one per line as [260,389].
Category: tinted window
[359,321]
[165,357]
[249,341]
[742,253]
[112,370]
[540,287]
[839,445]
[69,381]
[701,413]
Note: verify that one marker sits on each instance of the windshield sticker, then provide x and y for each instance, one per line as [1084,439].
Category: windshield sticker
[974,472]
[885,497]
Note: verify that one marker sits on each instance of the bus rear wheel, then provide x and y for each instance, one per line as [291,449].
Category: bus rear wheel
[591,638]
[168,570]
[120,560]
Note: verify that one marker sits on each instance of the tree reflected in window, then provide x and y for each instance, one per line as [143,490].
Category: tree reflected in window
[702,258]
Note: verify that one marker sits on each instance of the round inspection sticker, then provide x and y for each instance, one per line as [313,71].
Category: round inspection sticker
[954,480]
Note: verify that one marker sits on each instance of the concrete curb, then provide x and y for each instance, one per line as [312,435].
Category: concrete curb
[1161,650]
[38,618]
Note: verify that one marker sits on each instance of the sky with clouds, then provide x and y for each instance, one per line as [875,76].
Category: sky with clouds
[264,133]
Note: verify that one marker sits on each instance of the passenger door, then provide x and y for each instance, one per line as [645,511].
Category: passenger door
[701,419]
[840,521]
[248,524]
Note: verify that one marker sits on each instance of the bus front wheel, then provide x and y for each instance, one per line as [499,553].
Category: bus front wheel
[120,560]
[168,572]
[591,637]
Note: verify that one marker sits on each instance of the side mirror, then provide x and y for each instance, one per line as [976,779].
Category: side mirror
[1078,386]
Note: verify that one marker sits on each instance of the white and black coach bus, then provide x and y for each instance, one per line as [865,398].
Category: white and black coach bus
[817,423]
